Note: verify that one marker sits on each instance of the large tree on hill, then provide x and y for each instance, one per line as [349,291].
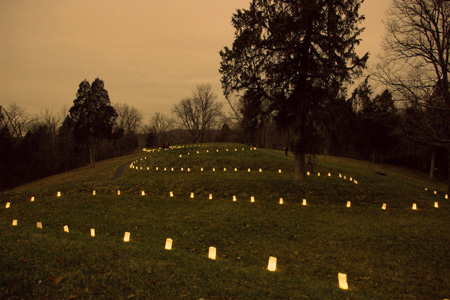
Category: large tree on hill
[198,113]
[92,116]
[296,55]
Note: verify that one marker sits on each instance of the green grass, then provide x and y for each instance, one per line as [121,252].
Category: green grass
[396,253]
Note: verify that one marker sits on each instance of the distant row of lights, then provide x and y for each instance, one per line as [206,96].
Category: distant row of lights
[234,199]
[212,252]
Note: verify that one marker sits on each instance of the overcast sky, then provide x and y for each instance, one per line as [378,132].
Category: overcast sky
[150,53]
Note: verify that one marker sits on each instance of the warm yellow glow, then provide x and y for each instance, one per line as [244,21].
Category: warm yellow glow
[7,205]
[182,169]
[168,244]
[345,177]
[207,151]
[307,173]
[281,201]
[383,206]
[66,228]
[355,181]
[272,266]
[252,199]
[217,150]
[14,223]
[435,192]
[349,203]
[93,192]
[126,237]
[234,198]
[414,206]
[279,170]
[318,174]
[351,179]
[227,150]
[343,281]
[172,169]
[32,199]
[304,202]
[340,175]
[192,196]
[198,152]
[92,232]
[165,169]
[142,193]
[260,170]
[329,174]
[212,253]
[235,169]
[201,169]
[426,189]
[248,170]
[58,194]
[446,196]
[436,205]
[224,169]
[171,194]
[118,192]
[214,169]
[156,168]
[210,196]
[39,225]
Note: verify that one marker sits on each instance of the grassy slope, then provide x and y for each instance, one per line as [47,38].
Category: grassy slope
[394,254]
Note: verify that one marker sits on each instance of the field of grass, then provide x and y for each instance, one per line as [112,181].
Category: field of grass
[397,253]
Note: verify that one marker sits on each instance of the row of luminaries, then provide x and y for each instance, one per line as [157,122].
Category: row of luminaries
[210,197]
[212,253]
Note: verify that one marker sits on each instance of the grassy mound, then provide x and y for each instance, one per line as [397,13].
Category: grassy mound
[397,253]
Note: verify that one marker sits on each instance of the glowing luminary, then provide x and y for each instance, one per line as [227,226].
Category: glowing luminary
[307,173]
[349,203]
[272,266]
[66,228]
[383,207]
[32,199]
[304,202]
[318,174]
[39,225]
[182,169]
[148,169]
[329,174]
[201,169]
[92,232]
[180,155]
[192,196]
[234,198]
[189,169]
[343,281]
[7,205]
[243,149]
[281,201]
[227,150]
[207,151]
[212,253]
[340,175]
[235,169]
[217,150]
[118,192]
[210,197]
[165,169]
[414,206]
[14,223]
[426,189]
[142,193]
[93,192]
[156,168]
[171,194]
[168,244]
[351,179]
[126,237]
[235,149]
[436,205]
[435,192]
[279,170]
[58,194]
[260,170]
[198,152]
[252,199]
[248,170]
[345,177]
[224,169]
[355,181]
[214,169]
[446,196]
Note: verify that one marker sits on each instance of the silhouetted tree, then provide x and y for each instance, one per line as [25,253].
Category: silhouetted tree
[92,115]
[296,55]
[198,113]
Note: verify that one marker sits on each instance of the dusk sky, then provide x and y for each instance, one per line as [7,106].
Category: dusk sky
[150,53]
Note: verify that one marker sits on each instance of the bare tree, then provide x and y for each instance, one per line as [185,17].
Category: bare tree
[417,63]
[129,118]
[198,113]
[17,120]
[161,125]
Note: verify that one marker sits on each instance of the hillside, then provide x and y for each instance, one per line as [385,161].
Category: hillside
[396,253]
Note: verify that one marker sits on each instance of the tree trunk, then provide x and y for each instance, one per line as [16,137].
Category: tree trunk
[432,163]
[92,154]
[299,166]
[448,188]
